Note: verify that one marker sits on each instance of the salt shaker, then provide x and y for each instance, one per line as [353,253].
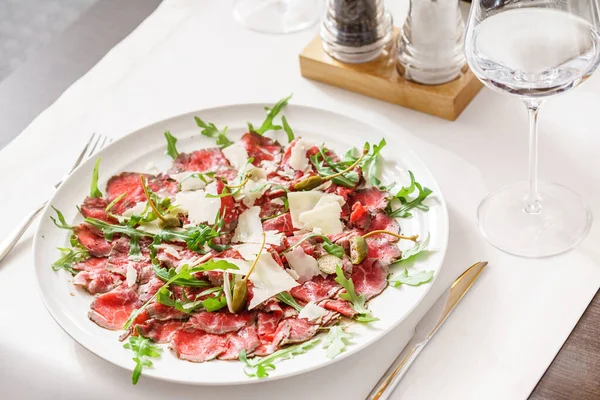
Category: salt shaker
[430,46]
[356,31]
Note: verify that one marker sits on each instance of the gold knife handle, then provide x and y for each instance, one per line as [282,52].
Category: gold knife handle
[388,382]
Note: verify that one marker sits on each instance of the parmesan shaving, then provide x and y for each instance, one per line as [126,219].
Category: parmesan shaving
[316,210]
[298,159]
[268,279]
[131,275]
[247,250]
[198,206]
[188,181]
[236,154]
[170,249]
[250,230]
[137,209]
[227,289]
[300,202]
[252,191]
[312,312]
[325,217]
[302,264]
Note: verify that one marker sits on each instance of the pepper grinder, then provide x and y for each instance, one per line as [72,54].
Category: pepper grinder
[431,43]
[356,31]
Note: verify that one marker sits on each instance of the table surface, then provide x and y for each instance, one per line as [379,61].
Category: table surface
[575,372]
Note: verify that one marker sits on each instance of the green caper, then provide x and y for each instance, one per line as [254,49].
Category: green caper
[328,263]
[358,249]
[169,221]
[309,183]
[239,296]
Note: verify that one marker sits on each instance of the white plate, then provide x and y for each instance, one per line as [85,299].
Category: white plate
[144,149]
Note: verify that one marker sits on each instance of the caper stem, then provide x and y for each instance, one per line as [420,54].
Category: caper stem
[241,184]
[412,238]
[152,205]
[262,246]
[350,168]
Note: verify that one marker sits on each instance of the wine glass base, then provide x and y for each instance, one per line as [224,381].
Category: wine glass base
[277,16]
[562,223]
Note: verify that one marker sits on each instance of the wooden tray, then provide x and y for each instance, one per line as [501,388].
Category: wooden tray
[380,79]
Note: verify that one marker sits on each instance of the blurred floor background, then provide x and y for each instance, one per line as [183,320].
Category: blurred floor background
[28,25]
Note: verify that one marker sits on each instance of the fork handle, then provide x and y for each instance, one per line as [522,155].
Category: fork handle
[13,238]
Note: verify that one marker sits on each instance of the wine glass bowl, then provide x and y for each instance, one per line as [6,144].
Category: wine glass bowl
[533,50]
[277,16]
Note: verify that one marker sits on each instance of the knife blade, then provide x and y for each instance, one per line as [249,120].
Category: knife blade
[424,331]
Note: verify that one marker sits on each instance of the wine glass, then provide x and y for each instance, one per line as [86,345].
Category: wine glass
[277,16]
[533,49]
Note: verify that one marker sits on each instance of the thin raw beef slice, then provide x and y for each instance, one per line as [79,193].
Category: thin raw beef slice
[111,310]
[370,277]
[197,345]
[315,290]
[93,240]
[201,161]
[159,331]
[128,183]
[95,208]
[246,339]
[220,322]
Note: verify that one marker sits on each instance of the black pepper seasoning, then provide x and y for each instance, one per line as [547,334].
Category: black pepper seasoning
[356,31]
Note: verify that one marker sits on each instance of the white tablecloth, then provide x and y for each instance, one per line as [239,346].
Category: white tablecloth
[190,55]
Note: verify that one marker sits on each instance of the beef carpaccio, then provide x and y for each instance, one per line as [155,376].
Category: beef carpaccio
[166,256]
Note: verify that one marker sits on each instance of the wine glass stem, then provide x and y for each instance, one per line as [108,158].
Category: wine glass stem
[533,199]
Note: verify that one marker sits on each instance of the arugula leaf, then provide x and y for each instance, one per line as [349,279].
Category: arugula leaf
[325,167]
[205,177]
[417,279]
[366,318]
[286,297]
[109,230]
[171,142]
[210,130]
[288,129]
[142,349]
[115,201]
[68,258]
[371,165]
[164,275]
[94,191]
[213,264]
[211,290]
[184,272]
[416,249]
[328,245]
[267,125]
[357,301]
[211,304]
[62,224]
[195,237]
[260,366]
[406,204]
[333,248]
[336,340]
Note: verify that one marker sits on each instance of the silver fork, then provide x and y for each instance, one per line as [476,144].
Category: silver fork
[93,145]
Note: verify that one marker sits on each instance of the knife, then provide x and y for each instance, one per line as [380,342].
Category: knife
[424,331]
